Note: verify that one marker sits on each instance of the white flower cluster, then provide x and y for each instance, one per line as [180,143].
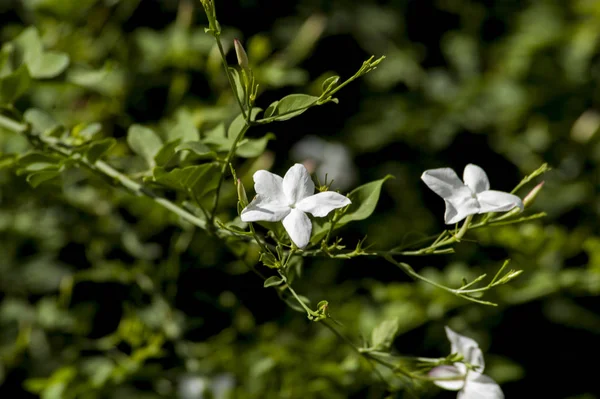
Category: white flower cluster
[290,198]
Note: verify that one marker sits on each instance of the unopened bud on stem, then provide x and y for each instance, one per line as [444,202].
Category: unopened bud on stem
[241,192]
[529,198]
[242,57]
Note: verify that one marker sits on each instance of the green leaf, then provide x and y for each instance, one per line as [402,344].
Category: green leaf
[166,153]
[290,106]
[253,148]
[364,200]
[14,85]
[239,84]
[182,127]
[40,120]
[41,64]
[198,148]
[247,148]
[382,336]
[238,124]
[37,161]
[37,178]
[201,179]
[144,142]
[86,132]
[330,83]
[293,303]
[273,281]
[97,149]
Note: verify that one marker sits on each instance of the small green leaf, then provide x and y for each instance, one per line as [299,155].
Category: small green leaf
[40,120]
[166,153]
[196,147]
[36,161]
[293,303]
[273,281]
[86,132]
[271,109]
[14,85]
[41,64]
[330,83]
[144,142]
[383,335]
[97,149]
[290,106]
[201,179]
[248,148]
[182,127]
[364,200]
[254,148]
[239,84]
[238,124]
[37,178]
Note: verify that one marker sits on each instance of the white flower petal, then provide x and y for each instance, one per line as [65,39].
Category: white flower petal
[297,184]
[321,204]
[443,181]
[448,372]
[468,348]
[481,387]
[459,207]
[269,186]
[497,201]
[261,209]
[298,227]
[475,178]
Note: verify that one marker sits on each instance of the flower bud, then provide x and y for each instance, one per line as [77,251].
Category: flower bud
[529,198]
[242,57]
[241,192]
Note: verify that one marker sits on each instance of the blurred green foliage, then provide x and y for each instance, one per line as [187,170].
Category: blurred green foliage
[105,294]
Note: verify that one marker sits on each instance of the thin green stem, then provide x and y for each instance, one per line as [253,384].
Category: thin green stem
[229,77]
[230,155]
[12,125]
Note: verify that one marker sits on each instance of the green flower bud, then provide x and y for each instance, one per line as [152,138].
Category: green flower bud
[242,57]
[529,198]
[241,192]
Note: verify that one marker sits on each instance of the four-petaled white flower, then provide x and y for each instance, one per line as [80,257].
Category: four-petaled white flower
[468,198]
[471,384]
[288,199]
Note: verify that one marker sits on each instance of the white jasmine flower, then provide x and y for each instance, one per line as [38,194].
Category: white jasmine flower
[288,199]
[326,158]
[471,384]
[468,198]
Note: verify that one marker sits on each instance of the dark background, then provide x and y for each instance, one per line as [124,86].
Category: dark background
[506,85]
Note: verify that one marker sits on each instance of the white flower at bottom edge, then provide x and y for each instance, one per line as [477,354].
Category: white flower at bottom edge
[471,384]
[468,198]
[288,199]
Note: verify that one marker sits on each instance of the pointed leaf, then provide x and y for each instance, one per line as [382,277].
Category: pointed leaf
[196,147]
[273,281]
[97,149]
[166,153]
[255,147]
[364,200]
[40,120]
[201,179]
[144,142]
[14,85]
[290,106]
[384,334]
[37,178]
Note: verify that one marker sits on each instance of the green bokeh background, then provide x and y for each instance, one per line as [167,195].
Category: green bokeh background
[106,295]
